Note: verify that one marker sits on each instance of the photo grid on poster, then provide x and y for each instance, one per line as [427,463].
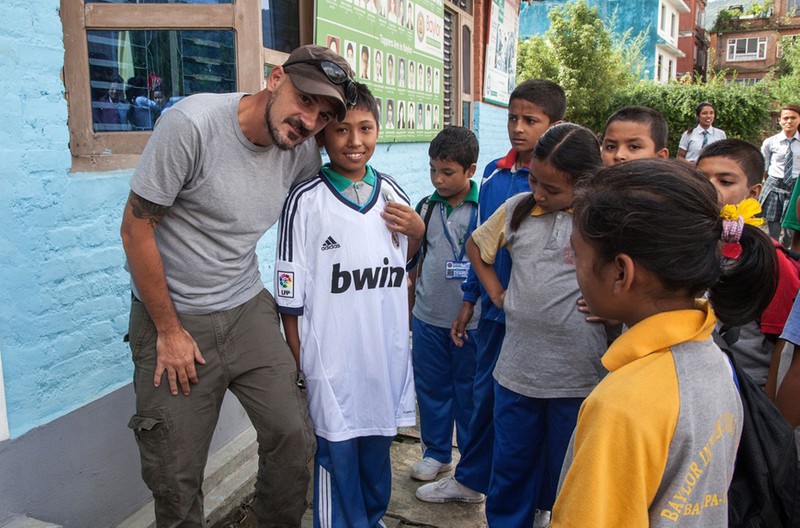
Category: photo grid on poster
[395,47]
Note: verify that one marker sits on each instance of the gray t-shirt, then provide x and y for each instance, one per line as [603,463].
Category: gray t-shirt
[752,350]
[224,192]
[438,299]
[549,350]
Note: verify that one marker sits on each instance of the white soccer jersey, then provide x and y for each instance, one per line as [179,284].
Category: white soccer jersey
[341,268]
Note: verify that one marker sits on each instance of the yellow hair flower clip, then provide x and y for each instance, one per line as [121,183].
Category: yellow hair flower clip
[747,209]
[734,217]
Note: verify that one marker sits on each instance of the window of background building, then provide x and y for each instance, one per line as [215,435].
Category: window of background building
[793,7]
[673,26]
[126,61]
[746,49]
[457,62]
[659,67]
[700,16]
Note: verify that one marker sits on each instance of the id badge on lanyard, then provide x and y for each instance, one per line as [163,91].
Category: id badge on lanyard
[458,268]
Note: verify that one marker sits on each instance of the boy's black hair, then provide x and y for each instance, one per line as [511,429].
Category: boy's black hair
[455,143]
[366,101]
[748,157]
[545,94]
[793,107]
[645,115]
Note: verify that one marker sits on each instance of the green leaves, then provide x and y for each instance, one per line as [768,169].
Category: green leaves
[600,70]
[582,55]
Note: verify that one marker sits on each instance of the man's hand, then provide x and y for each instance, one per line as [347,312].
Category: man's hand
[177,353]
[458,330]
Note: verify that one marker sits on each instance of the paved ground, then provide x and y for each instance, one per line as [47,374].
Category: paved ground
[404,509]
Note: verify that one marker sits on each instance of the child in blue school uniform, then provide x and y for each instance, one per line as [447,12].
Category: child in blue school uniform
[550,359]
[534,106]
[443,372]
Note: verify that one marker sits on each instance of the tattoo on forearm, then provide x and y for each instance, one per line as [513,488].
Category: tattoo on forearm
[147,210]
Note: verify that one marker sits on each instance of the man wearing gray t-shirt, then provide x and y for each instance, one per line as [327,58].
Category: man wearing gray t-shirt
[210,182]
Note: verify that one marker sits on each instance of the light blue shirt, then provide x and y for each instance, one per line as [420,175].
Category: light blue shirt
[692,142]
[791,330]
[774,150]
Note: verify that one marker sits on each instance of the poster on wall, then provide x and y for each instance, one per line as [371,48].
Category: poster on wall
[500,70]
[395,47]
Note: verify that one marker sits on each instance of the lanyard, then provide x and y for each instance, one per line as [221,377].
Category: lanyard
[473,218]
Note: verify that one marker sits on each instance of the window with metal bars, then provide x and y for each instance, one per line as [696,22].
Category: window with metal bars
[448,64]
[457,62]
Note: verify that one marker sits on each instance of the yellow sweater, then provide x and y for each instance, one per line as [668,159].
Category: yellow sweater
[656,439]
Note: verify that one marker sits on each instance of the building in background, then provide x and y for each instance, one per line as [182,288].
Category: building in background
[748,46]
[83,82]
[658,20]
[694,41]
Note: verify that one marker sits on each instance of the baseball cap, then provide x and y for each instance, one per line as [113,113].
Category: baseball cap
[307,66]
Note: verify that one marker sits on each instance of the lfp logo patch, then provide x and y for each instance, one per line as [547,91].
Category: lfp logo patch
[286,284]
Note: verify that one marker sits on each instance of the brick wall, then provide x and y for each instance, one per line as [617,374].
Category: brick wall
[62,289]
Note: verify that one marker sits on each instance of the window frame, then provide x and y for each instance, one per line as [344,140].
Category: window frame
[759,55]
[99,151]
[462,18]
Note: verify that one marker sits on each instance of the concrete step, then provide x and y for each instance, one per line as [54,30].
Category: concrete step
[229,478]
[20,521]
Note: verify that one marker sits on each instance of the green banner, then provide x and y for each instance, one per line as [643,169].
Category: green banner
[395,47]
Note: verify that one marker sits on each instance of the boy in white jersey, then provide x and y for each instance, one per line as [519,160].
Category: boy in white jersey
[344,241]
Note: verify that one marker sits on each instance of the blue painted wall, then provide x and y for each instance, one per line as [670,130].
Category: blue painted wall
[64,295]
[640,15]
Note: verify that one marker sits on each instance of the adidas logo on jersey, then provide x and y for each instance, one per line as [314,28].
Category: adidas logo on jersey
[330,243]
[369,278]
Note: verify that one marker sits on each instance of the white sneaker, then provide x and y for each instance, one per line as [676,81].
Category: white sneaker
[542,519]
[448,489]
[427,469]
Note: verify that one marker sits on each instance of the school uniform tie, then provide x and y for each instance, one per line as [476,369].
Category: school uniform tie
[788,163]
[705,138]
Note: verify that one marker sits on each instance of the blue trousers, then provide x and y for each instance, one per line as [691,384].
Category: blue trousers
[443,377]
[352,482]
[531,440]
[475,466]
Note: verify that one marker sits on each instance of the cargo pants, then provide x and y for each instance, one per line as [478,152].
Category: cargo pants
[245,353]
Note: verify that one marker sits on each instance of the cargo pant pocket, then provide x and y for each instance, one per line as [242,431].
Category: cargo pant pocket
[152,436]
[141,332]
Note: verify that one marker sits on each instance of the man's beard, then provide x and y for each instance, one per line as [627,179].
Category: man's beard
[281,141]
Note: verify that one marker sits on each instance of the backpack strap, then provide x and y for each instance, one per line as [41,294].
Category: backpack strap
[425,211]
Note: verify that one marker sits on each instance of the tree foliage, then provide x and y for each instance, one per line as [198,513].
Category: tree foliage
[599,71]
[585,57]
[743,111]
[785,84]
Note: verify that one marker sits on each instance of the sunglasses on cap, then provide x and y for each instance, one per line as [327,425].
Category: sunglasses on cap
[335,74]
